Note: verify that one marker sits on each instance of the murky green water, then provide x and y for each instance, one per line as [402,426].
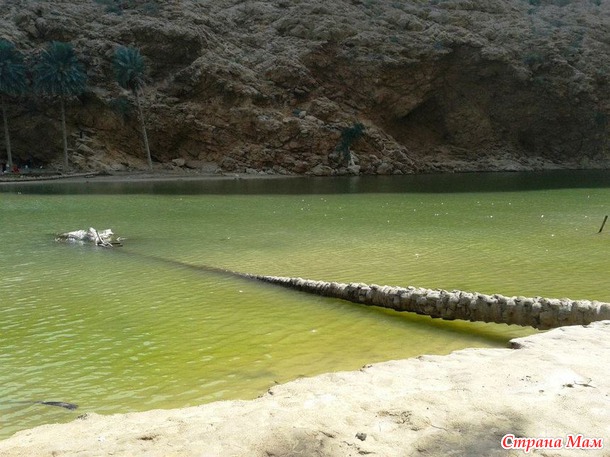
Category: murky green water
[147,326]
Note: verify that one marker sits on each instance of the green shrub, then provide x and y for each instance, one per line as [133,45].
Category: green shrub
[349,136]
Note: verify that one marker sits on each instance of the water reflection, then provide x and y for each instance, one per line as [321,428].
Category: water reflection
[422,183]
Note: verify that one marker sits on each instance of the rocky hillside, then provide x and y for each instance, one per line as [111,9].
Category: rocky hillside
[270,86]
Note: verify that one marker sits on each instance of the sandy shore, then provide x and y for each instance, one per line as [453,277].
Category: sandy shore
[551,385]
[132,176]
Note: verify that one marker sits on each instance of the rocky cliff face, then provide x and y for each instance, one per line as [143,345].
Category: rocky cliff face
[271,85]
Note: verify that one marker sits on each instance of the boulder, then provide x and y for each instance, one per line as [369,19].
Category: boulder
[354,169]
[321,170]
[385,168]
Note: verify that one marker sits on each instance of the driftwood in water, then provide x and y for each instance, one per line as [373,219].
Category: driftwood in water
[104,238]
[538,312]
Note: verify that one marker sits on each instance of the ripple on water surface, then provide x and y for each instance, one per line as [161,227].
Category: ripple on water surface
[149,326]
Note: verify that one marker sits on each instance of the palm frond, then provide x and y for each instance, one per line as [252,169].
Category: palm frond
[13,79]
[58,71]
[129,68]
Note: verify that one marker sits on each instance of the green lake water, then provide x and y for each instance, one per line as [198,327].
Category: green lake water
[147,326]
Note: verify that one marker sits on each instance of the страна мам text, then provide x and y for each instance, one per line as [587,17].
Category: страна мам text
[571,441]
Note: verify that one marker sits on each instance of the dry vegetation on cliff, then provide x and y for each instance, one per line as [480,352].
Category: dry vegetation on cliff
[271,85]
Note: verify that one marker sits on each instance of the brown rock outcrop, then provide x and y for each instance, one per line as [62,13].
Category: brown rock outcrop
[440,85]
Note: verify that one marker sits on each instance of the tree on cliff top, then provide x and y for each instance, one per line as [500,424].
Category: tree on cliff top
[129,71]
[13,82]
[59,73]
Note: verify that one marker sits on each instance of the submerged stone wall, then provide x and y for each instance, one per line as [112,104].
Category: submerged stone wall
[538,312]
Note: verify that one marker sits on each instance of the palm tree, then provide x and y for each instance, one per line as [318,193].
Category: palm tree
[12,82]
[59,73]
[129,71]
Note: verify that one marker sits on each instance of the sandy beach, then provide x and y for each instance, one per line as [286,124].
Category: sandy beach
[551,390]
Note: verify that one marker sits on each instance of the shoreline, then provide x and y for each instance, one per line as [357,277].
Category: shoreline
[121,177]
[549,385]
[193,175]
